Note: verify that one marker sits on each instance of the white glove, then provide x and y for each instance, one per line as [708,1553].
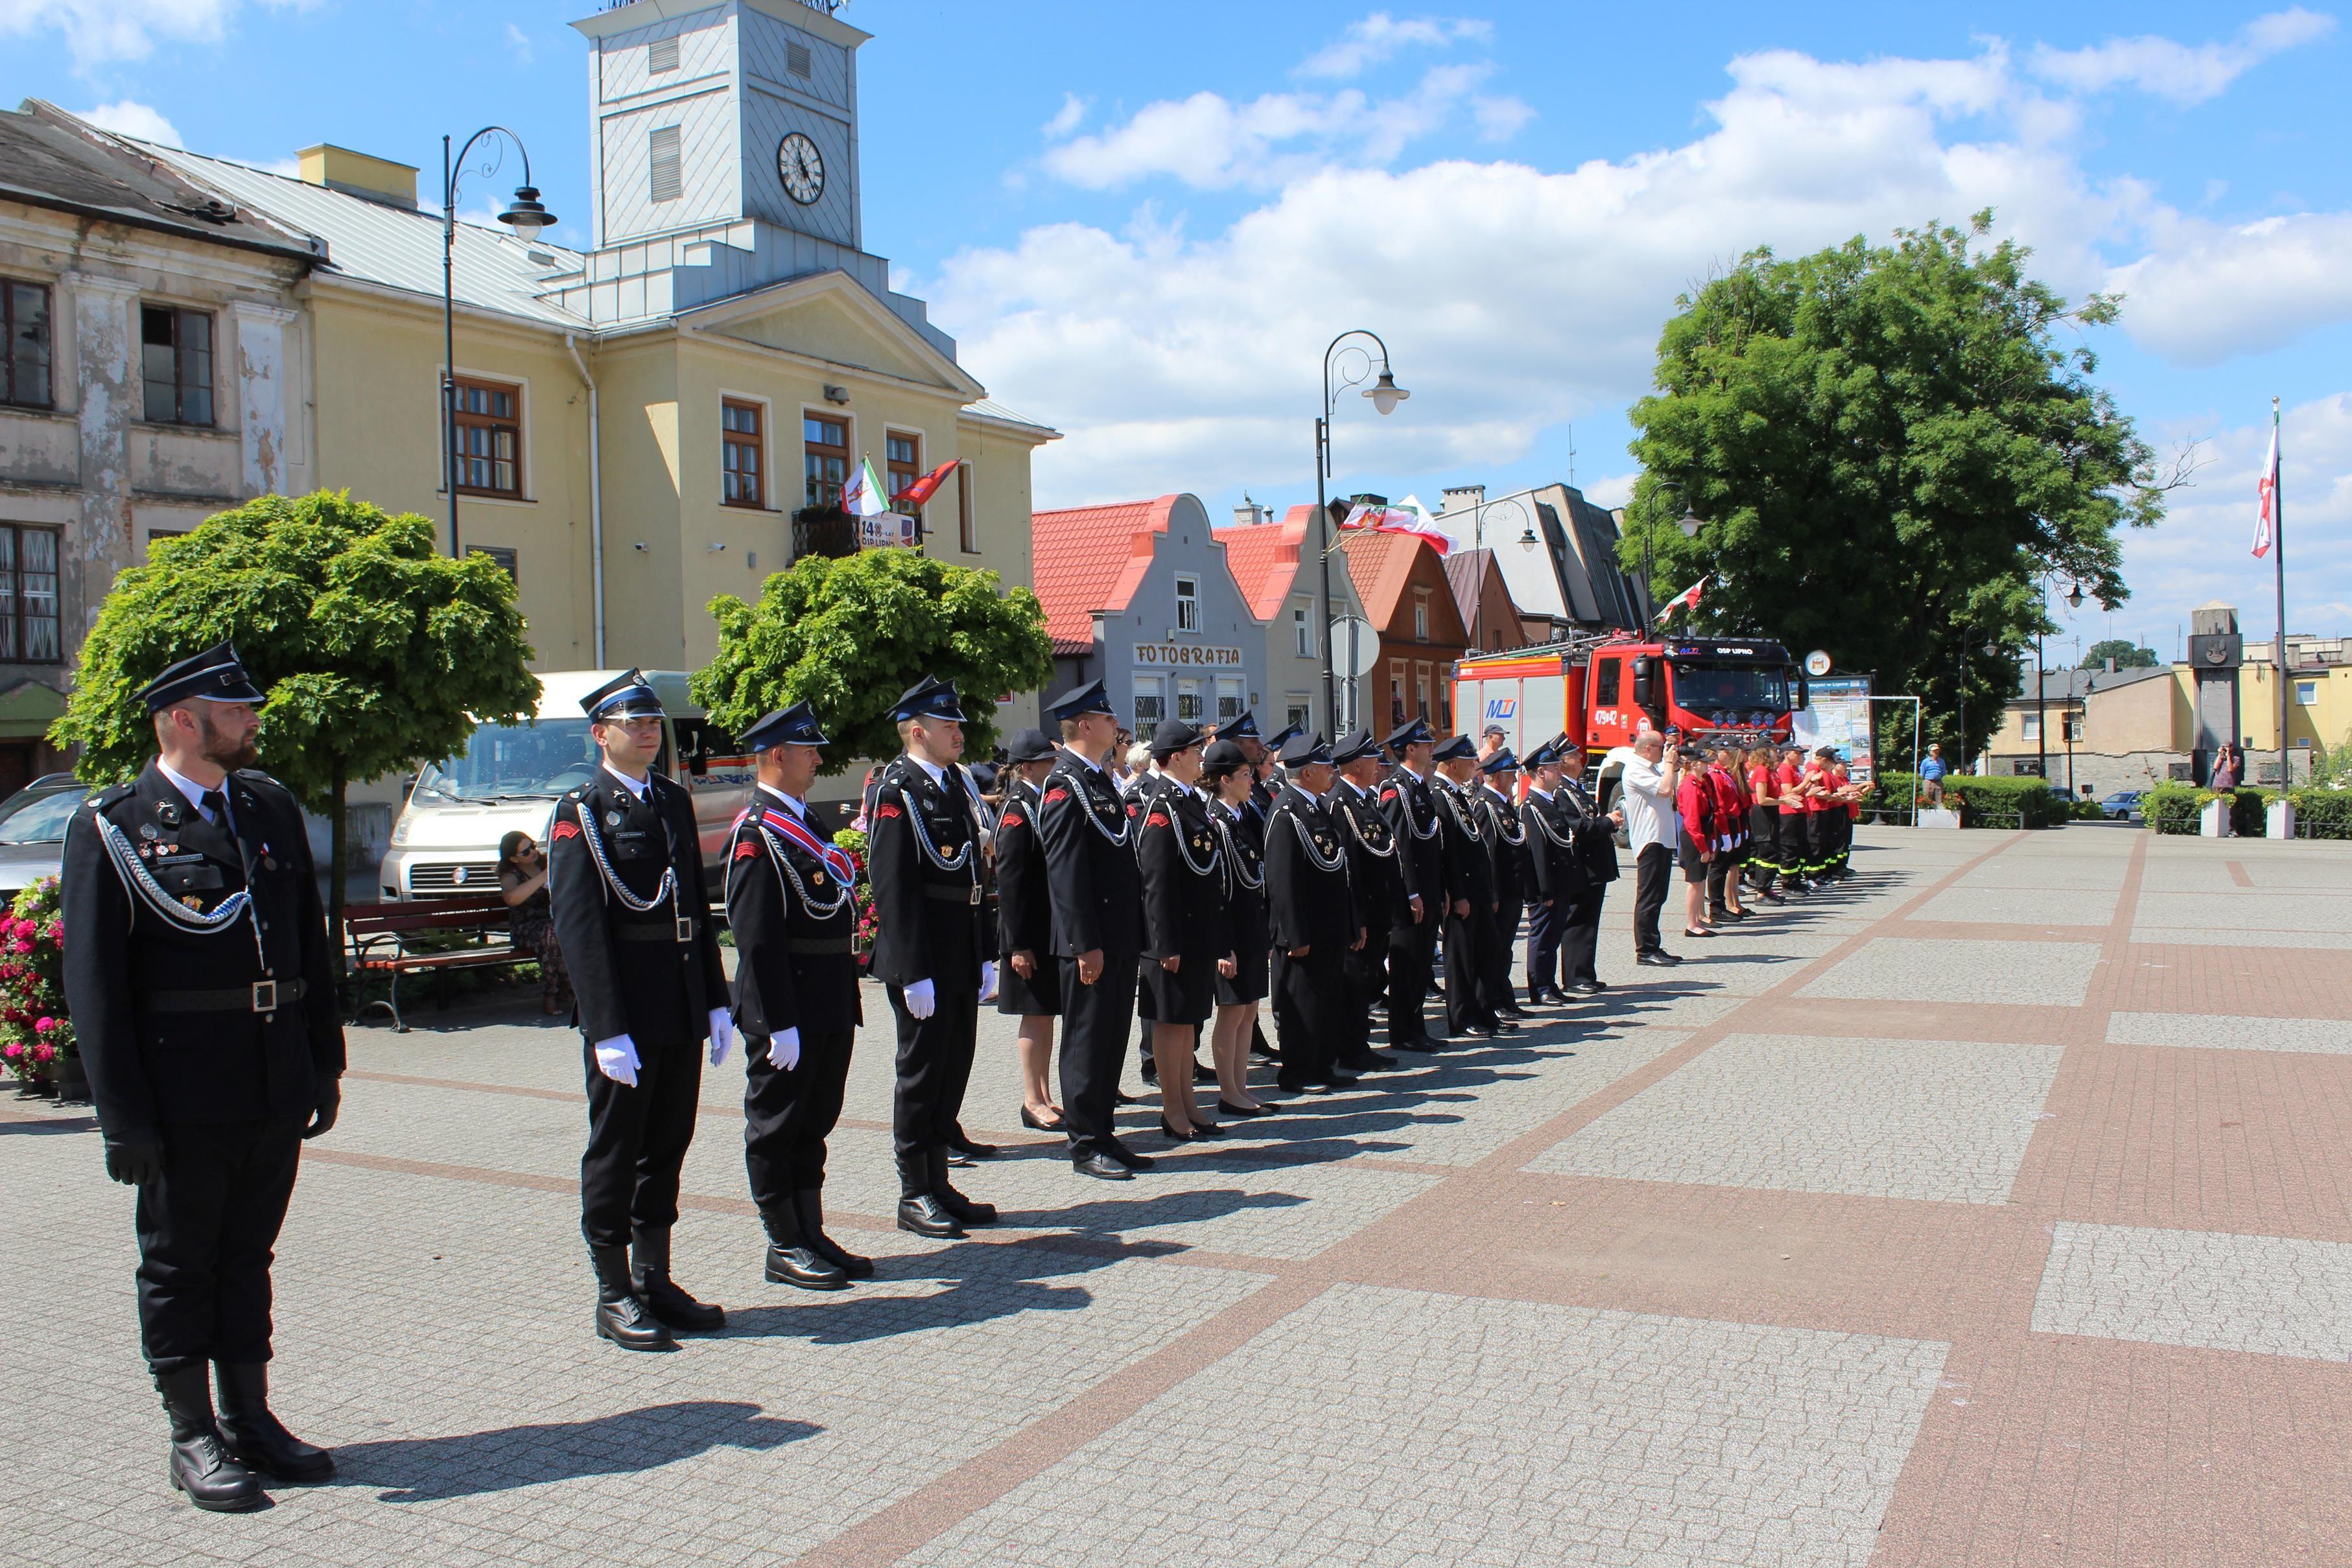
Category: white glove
[722,1035]
[920,1001]
[617,1059]
[987,980]
[785,1049]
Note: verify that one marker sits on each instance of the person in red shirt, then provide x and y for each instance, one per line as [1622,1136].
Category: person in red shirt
[1796,846]
[1845,810]
[1731,833]
[1821,803]
[1702,859]
[1764,824]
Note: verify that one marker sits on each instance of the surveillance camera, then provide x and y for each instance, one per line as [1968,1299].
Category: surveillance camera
[639,546]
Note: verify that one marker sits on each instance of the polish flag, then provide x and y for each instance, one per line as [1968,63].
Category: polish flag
[1396,520]
[1686,599]
[2267,489]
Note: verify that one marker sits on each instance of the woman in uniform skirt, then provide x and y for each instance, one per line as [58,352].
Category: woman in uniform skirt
[1188,940]
[1028,980]
[1226,774]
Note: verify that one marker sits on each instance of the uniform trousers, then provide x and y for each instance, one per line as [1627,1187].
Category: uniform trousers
[788,1116]
[637,1138]
[1310,1003]
[207,1227]
[934,1065]
[1413,948]
[1094,1040]
[1467,937]
[1495,970]
[1796,846]
[1581,936]
[1544,922]
[1654,871]
[1366,971]
[1820,840]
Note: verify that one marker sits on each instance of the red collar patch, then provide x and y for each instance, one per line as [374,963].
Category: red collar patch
[746,851]
[564,830]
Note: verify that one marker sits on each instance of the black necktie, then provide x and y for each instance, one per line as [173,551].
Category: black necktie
[215,805]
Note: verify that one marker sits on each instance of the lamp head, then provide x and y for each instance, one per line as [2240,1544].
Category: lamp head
[2074,597]
[527,217]
[1385,394]
[1690,524]
[1528,537]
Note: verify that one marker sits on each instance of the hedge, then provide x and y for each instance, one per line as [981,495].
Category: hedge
[2028,799]
[2320,813]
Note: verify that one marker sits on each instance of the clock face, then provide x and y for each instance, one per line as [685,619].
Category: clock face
[804,170]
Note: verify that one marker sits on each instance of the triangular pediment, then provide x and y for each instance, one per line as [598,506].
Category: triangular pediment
[831,317]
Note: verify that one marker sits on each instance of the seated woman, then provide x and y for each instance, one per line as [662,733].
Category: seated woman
[523,881]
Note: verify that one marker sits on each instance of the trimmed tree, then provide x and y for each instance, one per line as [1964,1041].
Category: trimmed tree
[377,654]
[1892,448]
[847,634]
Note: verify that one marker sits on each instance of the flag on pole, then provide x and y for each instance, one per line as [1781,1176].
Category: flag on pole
[865,495]
[1395,520]
[2266,491]
[924,488]
[1686,599]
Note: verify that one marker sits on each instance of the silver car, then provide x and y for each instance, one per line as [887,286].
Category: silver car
[33,830]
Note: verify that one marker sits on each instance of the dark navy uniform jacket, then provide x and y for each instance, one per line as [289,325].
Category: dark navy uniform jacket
[1098,889]
[130,972]
[794,916]
[924,860]
[635,971]
[1309,901]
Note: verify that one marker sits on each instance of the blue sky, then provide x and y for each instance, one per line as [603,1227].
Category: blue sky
[1144,221]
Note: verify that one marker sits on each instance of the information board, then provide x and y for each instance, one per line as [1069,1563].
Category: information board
[1839,716]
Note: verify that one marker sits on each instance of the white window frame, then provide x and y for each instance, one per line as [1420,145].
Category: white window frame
[1190,687]
[1420,616]
[2028,726]
[2307,693]
[1229,686]
[1188,602]
[1302,628]
[1298,708]
[1153,689]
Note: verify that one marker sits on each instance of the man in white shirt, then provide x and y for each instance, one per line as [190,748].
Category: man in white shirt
[1650,779]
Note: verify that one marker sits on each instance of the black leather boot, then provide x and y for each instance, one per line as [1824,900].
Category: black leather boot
[919,1209]
[650,1271]
[259,1439]
[965,1210]
[621,1316]
[791,1260]
[202,1465]
[808,1207]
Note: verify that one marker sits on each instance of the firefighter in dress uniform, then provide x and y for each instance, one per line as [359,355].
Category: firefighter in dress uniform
[203,994]
[1098,926]
[790,903]
[1380,900]
[1405,796]
[1187,925]
[1506,852]
[1243,732]
[1596,846]
[1556,878]
[625,886]
[1028,981]
[1311,910]
[932,950]
[1470,915]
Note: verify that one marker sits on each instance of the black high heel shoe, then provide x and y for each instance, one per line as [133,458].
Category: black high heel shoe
[1173,1134]
[1230,1109]
[1029,1119]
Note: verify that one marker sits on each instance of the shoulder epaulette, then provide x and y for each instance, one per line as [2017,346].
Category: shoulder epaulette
[112,796]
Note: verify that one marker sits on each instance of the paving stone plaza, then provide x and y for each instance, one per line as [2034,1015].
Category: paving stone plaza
[1994,1209]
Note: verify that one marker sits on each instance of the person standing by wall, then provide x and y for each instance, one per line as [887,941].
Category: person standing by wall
[1650,781]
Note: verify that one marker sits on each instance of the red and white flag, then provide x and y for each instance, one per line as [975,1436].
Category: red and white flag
[1396,520]
[2267,490]
[1686,599]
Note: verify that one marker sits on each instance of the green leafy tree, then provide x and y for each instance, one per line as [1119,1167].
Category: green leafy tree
[1893,450]
[2128,655]
[377,654]
[847,635]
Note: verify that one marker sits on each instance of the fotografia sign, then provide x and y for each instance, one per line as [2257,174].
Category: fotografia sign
[1189,655]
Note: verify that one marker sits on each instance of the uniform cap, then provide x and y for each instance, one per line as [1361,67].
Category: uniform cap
[1222,758]
[1458,747]
[1030,746]
[215,675]
[1354,747]
[794,726]
[1501,762]
[623,696]
[1301,750]
[1080,701]
[1543,756]
[1172,737]
[984,775]
[1242,729]
[1414,732]
[929,697]
[1284,737]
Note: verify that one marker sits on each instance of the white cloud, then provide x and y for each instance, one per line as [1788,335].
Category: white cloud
[1066,118]
[1611,489]
[1379,36]
[100,30]
[2207,292]
[128,118]
[2184,73]
[520,42]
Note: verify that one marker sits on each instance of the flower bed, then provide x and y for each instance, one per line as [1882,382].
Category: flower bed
[35,1036]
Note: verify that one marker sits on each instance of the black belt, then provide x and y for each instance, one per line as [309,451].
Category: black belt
[817,947]
[261,996]
[682,930]
[970,897]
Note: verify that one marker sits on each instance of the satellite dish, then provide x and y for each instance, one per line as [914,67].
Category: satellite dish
[1817,663]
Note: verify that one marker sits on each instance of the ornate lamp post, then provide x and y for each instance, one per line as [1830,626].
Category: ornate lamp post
[526,218]
[1385,395]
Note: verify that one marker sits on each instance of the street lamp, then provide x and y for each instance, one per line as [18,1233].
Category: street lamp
[527,217]
[1991,648]
[1690,522]
[1385,395]
[1479,543]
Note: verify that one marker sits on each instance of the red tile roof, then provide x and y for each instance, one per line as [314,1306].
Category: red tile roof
[1380,565]
[1086,558]
[1263,559]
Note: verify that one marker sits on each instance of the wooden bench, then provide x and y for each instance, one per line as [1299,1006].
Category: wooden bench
[388,939]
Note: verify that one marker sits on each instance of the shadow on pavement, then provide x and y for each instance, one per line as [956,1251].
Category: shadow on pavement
[470,1464]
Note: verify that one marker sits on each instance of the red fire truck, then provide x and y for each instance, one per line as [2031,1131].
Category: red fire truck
[1597,690]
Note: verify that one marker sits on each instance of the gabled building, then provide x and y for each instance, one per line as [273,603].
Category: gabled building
[1137,595]
[1489,614]
[1403,583]
[1558,555]
[1276,568]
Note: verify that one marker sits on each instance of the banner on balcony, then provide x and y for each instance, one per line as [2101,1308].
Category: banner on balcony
[885,530]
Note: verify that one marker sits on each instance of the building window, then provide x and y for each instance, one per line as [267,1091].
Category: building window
[1188,702]
[2030,727]
[504,557]
[661,55]
[967,512]
[1420,616]
[176,360]
[1296,710]
[1150,704]
[24,344]
[2306,693]
[1396,691]
[1229,700]
[666,163]
[490,438]
[1188,604]
[902,457]
[741,467]
[1421,690]
[1302,628]
[28,596]
[2069,728]
[825,443]
[797,61]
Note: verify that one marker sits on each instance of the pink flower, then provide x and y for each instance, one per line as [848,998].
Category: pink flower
[45,1026]
[43,1053]
[20,945]
[13,1050]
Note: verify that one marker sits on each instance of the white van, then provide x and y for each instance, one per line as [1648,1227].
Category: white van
[445,841]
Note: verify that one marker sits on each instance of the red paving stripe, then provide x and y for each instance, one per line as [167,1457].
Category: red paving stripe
[2238,873]
[1832,1016]
[2254,980]
[1992,931]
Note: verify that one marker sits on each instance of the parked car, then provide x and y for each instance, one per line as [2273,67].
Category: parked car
[33,830]
[2123,806]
